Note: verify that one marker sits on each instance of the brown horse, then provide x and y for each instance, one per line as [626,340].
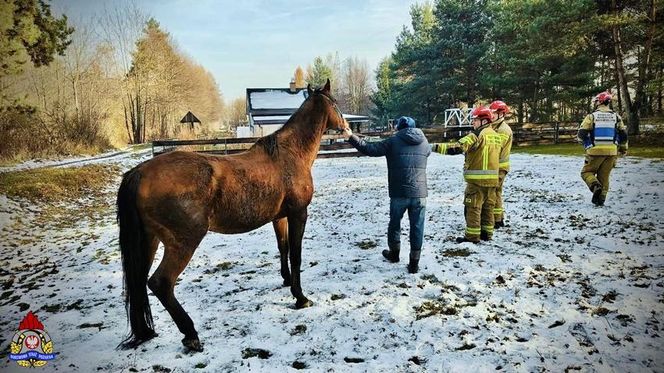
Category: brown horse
[177,197]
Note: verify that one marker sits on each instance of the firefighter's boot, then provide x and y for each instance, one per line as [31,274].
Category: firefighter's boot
[596,188]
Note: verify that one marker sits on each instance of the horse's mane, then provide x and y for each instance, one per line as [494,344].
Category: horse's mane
[269,142]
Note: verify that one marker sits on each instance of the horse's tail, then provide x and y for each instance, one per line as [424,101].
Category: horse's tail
[135,265]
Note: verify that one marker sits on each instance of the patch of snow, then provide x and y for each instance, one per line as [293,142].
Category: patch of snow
[566,285]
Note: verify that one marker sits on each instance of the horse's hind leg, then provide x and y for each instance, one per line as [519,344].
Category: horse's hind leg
[281,230]
[296,224]
[162,284]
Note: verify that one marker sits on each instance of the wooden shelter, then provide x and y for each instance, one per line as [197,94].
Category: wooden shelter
[191,119]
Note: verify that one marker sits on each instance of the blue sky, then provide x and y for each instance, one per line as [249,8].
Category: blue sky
[259,43]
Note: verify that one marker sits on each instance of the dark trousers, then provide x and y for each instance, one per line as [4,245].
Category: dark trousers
[416,208]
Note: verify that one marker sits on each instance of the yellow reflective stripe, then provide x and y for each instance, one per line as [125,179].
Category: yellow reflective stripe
[480,172]
[488,228]
[441,148]
[504,164]
[604,146]
[481,177]
[473,230]
[485,158]
[494,139]
[498,211]
[467,140]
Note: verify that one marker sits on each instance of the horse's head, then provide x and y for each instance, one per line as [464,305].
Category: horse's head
[335,119]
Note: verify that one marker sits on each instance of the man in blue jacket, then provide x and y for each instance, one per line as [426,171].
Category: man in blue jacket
[406,152]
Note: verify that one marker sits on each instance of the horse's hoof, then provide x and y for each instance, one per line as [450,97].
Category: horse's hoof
[287,283]
[192,344]
[303,303]
[136,341]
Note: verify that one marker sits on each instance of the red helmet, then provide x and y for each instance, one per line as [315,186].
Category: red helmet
[482,112]
[499,107]
[603,98]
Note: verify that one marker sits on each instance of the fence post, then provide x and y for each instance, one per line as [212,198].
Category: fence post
[555,135]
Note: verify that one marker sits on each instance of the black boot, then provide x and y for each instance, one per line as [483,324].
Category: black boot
[600,200]
[413,265]
[484,236]
[464,239]
[392,255]
[596,188]
[498,224]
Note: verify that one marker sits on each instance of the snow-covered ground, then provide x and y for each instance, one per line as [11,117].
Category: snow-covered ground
[567,286]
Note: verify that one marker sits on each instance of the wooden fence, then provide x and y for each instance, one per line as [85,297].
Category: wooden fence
[333,146]
[545,133]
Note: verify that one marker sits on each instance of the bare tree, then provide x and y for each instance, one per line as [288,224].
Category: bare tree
[356,85]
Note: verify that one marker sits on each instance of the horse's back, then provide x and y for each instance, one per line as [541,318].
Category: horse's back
[176,173]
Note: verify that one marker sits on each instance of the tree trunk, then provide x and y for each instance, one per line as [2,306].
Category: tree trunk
[644,62]
[130,138]
[632,115]
[659,91]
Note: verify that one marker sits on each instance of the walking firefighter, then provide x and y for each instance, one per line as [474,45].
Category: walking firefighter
[503,130]
[603,135]
[482,150]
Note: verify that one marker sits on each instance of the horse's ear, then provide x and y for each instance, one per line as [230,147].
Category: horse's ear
[309,92]
[326,89]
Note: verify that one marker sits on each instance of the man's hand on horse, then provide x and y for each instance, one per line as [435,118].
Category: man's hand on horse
[346,133]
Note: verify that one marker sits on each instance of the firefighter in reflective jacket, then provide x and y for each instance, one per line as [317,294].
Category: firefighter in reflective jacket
[603,135]
[503,130]
[480,170]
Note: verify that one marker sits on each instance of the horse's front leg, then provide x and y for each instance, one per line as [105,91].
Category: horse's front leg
[281,230]
[296,223]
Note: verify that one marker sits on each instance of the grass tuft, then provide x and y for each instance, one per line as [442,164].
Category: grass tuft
[57,184]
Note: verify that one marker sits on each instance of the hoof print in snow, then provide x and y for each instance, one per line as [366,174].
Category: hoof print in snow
[366,244]
[337,296]
[581,336]
[417,360]
[255,352]
[299,365]
[466,346]
[23,306]
[353,360]
[88,325]
[625,319]
[223,266]
[557,323]
[299,329]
